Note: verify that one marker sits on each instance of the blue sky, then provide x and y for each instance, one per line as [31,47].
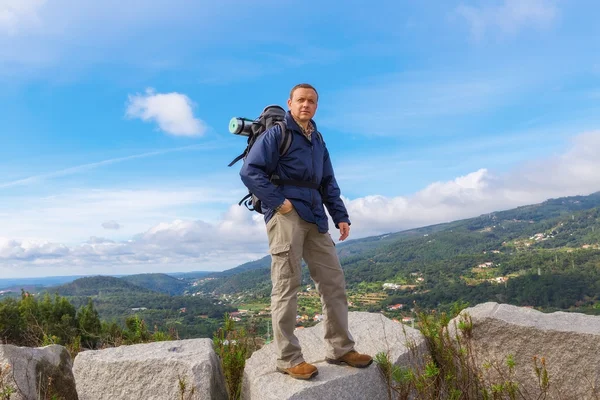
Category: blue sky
[114,119]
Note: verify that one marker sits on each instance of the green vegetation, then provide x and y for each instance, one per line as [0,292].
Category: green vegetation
[116,300]
[161,283]
[545,256]
[6,390]
[184,393]
[254,280]
[34,322]
[29,322]
[96,312]
[449,370]
[98,286]
[233,346]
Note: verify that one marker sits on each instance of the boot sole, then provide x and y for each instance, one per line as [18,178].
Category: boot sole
[340,362]
[298,376]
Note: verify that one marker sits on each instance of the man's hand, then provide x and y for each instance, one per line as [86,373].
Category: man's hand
[344,230]
[286,207]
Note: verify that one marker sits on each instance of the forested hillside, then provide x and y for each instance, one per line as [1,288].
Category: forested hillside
[115,299]
[161,283]
[545,255]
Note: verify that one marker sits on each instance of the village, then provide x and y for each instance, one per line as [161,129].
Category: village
[250,307]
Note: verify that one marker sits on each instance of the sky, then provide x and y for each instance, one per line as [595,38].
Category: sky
[114,115]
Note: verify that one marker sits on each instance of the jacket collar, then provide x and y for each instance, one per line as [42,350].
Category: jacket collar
[290,122]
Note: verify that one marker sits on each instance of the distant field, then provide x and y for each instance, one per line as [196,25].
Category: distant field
[253,306]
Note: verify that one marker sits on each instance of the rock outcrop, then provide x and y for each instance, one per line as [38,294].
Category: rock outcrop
[372,332]
[569,343]
[38,372]
[151,371]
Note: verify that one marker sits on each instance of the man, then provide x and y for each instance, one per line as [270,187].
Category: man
[297,228]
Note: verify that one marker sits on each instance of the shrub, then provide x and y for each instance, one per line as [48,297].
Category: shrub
[233,346]
[449,369]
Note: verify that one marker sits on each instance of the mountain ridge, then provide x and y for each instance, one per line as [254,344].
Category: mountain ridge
[459,237]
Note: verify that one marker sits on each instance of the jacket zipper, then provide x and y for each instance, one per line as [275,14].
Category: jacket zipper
[312,156]
[312,175]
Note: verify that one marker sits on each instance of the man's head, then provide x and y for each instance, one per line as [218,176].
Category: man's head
[303,102]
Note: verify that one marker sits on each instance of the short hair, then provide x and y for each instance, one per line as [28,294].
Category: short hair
[303,86]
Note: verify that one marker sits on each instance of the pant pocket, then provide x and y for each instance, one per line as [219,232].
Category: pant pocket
[281,267]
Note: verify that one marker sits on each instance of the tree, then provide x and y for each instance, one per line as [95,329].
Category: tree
[90,327]
[11,323]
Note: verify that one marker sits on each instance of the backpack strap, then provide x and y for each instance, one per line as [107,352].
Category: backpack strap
[238,158]
[244,199]
[286,138]
[250,142]
[285,146]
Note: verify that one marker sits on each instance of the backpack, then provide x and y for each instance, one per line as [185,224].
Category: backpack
[270,116]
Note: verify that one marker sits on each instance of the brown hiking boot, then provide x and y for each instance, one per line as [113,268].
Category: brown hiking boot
[303,370]
[353,359]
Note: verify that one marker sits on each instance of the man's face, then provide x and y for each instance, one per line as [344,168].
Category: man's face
[303,104]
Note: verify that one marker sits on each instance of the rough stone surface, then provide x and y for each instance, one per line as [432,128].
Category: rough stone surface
[570,343]
[150,371]
[33,368]
[373,333]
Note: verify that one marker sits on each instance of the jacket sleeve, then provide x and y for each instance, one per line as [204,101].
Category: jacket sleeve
[331,193]
[259,165]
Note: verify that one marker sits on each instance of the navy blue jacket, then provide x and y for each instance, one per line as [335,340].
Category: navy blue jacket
[304,161]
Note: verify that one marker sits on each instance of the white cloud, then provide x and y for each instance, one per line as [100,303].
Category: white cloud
[111,225]
[70,215]
[571,173]
[98,240]
[509,17]
[239,236]
[171,111]
[15,15]
[30,250]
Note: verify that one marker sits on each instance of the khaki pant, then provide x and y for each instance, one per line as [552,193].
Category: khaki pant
[290,240]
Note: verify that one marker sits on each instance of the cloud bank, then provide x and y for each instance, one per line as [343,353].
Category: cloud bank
[239,236]
[572,173]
